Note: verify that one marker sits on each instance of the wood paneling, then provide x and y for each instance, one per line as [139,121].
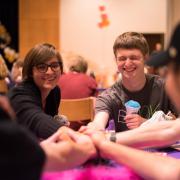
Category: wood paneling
[38,23]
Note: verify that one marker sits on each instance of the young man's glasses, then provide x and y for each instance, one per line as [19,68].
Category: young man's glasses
[42,68]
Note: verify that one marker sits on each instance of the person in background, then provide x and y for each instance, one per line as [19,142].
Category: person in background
[23,158]
[8,53]
[150,165]
[16,71]
[3,75]
[3,68]
[92,74]
[36,99]
[161,71]
[158,48]
[76,83]
[15,76]
[130,50]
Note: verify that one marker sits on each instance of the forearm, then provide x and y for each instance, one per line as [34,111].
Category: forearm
[158,134]
[40,123]
[147,165]
[100,121]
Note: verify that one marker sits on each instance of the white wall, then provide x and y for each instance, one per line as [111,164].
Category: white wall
[79,32]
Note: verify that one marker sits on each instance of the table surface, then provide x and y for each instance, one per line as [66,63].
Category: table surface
[101,169]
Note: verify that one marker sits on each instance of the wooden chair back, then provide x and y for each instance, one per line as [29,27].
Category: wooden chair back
[77,109]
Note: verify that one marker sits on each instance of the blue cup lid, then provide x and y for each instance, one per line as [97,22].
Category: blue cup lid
[133,103]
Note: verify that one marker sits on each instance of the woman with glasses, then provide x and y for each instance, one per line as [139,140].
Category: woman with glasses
[23,158]
[36,99]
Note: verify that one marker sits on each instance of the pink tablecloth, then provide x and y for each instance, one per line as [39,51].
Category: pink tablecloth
[110,171]
[93,173]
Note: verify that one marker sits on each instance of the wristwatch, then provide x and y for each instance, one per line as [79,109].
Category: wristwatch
[113,136]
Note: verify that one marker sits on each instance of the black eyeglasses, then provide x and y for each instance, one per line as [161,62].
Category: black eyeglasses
[42,68]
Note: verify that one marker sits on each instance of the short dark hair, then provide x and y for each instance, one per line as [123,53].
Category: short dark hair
[37,55]
[131,40]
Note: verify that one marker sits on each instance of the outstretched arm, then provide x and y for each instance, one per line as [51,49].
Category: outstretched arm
[147,165]
[157,134]
[154,135]
[99,123]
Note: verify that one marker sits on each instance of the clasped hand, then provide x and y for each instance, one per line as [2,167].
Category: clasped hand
[68,148]
[90,139]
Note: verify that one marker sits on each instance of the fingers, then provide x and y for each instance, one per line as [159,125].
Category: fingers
[132,125]
[82,129]
[63,129]
[86,130]
[67,123]
[131,116]
[65,137]
[133,121]
[64,133]
[74,135]
[53,138]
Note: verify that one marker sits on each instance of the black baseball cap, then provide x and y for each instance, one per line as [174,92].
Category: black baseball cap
[172,53]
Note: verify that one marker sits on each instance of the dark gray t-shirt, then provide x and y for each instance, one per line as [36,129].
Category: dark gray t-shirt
[152,97]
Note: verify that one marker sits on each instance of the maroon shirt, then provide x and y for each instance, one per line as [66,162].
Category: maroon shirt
[77,85]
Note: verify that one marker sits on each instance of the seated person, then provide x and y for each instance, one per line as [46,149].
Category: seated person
[149,165]
[36,99]
[21,156]
[131,50]
[76,83]
[15,76]
[3,75]
[16,72]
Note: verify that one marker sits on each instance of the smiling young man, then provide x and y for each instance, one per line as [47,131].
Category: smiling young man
[130,50]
